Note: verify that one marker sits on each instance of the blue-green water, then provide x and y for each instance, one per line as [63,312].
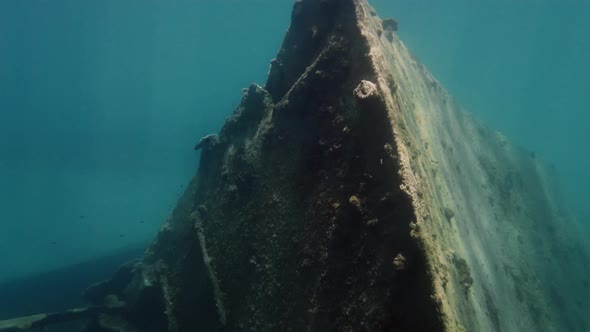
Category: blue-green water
[101,102]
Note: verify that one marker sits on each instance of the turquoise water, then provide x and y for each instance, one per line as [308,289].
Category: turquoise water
[101,102]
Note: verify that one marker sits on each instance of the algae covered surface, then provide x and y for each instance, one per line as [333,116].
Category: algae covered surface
[488,210]
[352,193]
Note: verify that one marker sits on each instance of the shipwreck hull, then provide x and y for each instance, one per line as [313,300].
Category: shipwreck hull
[351,193]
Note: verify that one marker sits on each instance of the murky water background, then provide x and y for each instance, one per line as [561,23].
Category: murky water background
[101,103]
